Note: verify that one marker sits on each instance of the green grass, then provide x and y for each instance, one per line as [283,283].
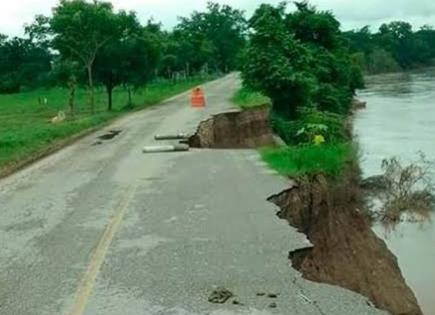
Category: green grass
[246,98]
[308,159]
[25,126]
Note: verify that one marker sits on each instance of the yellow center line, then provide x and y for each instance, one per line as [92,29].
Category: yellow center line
[88,281]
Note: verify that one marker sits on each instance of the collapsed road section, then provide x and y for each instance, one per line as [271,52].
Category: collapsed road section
[346,251]
[241,129]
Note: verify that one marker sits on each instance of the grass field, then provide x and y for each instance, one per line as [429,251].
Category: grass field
[25,126]
[245,98]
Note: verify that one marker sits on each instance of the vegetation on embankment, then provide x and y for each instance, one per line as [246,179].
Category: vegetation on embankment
[299,61]
[317,142]
[25,118]
[247,98]
[295,161]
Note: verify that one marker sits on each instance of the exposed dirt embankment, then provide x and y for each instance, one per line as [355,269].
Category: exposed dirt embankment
[245,129]
[346,251]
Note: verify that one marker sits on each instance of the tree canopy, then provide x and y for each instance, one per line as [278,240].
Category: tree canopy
[89,42]
[395,46]
[299,59]
[22,64]
[212,38]
[130,59]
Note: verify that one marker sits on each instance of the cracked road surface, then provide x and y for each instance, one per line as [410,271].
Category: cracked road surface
[106,230]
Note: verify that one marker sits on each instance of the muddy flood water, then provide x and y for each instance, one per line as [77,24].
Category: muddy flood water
[400,121]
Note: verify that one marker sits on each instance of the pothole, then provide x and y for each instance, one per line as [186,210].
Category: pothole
[106,137]
[234,130]
[110,135]
[346,251]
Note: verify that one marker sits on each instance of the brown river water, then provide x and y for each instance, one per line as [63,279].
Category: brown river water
[400,121]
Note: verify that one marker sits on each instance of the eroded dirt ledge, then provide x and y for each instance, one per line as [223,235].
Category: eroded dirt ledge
[244,129]
[346,251]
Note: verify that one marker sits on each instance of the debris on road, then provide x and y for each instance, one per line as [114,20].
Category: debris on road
[220,296]
[180,136]
[166,148]
[305,298]
[59,118]
[273,305]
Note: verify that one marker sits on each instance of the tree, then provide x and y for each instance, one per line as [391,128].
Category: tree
[22,64]
[78,30]
[360,40]
[276,64]
[311,26]
[131,59]
[397,37]
[67,73]
[394,47]
[300,59]
[217,36]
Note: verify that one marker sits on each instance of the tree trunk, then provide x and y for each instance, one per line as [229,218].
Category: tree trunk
[187,69]
[109,89]
[72,93]
[130,102]
[91,89]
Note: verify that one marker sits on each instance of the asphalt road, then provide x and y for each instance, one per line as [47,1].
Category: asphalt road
[102,229]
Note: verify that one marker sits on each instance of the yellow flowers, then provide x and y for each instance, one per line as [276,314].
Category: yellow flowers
[319,140]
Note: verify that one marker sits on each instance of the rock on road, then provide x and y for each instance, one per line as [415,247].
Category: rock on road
[102,229]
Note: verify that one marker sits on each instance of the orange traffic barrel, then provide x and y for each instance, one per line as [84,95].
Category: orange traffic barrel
[197,98]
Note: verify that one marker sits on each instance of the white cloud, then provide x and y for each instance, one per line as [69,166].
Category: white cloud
[352,13]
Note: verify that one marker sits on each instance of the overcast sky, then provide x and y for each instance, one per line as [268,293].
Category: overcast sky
[352,13]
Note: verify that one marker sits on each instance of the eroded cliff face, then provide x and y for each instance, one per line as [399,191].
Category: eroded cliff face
[346,251]
[245,129]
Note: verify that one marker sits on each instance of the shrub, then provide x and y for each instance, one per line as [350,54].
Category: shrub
[310,122]
[408,190]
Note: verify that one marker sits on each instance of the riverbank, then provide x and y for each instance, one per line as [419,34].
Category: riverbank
[326,204]
[27,133]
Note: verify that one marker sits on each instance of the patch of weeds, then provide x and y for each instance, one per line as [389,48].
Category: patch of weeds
[309,123]
[246,98]
[308,159]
